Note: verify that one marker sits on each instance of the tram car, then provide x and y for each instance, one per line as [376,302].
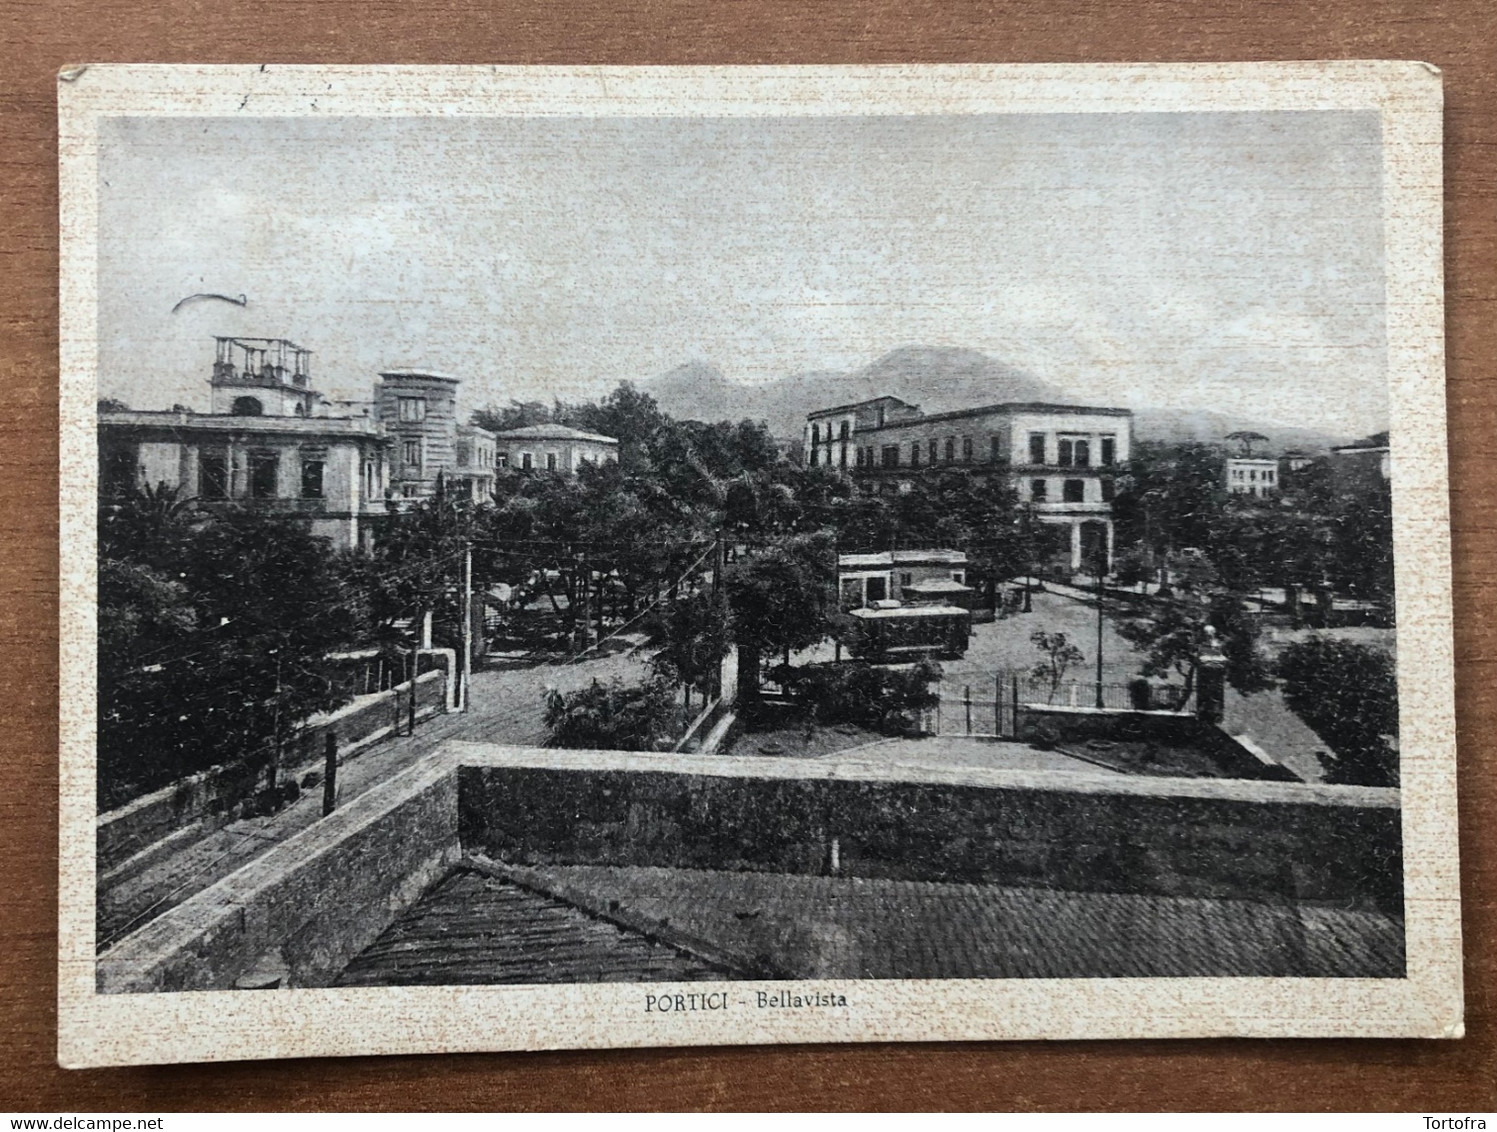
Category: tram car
[893,631]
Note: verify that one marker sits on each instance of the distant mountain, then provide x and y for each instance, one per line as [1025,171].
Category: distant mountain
[938,379]
[1210,426]
[935,378]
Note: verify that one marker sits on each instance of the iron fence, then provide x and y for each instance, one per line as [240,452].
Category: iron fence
[992,706]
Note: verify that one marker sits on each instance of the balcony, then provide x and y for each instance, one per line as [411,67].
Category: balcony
[1095,507]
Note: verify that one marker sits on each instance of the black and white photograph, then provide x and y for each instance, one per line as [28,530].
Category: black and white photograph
[769,552]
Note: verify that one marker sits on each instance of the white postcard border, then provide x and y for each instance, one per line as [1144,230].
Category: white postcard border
[119,1029]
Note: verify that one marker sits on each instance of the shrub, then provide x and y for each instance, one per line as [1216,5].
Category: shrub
[887,700]
[1347,693]
[614,717]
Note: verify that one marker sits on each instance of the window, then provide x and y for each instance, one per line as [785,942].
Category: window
[1039,490]
[1253,474]
[995,452]
[966,449]
[464,452]
[843,454]
[371,479]
[1075,491]
[877,589]
[891,455]
[526,462]
[959,577]
[1067,454]
[1109,451]
[842,432]
[246,407]
[915,454]
[410,454]
[931,452]
[410,409]
[950,449]
[117,468]
[311,477]
[1082,452]
[905,579]
[502,459]
[860,457]
[213,475]
[814,454]
[1036,447]
[264,469]
[815,435]
[550,461]
[1108,491]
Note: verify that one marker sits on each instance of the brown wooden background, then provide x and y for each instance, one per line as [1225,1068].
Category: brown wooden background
[37,37]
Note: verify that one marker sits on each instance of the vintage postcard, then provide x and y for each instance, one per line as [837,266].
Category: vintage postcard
[564,557]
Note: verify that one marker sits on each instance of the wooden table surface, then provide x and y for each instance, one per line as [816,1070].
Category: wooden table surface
[37,38]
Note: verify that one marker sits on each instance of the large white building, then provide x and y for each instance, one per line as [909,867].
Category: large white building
[273,443]
[1062,459]
[1252,475]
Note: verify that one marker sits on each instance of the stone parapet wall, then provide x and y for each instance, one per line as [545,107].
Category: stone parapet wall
[1079,831]
[303,910]
[297,915]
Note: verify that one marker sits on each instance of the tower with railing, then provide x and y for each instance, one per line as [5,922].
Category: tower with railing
[269,377]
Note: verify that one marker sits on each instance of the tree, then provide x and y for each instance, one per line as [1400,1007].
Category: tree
[213,638]
[1172,497]
[1348,694]
[517,414]
[781,599]
[1172,634]
[696,634]
[1059,657]
[1362,542]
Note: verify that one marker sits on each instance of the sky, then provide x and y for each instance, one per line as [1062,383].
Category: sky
[1202,260]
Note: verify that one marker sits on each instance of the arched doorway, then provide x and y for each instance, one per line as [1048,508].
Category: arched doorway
[247,407]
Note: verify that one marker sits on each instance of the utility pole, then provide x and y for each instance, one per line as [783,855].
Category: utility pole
[463,683]
[415,669]
[1029,556]
[1101,592]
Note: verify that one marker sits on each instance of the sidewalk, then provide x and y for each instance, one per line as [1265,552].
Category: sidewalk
[508,707]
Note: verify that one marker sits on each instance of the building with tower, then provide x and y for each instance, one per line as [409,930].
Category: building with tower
[268,444]
[418,411]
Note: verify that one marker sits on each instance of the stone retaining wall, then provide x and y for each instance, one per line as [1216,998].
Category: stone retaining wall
[1174,729]
[202,802]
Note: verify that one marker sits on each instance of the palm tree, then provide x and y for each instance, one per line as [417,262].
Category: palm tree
[1247,439]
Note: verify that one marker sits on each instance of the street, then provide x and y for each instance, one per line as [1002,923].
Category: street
[507,707]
